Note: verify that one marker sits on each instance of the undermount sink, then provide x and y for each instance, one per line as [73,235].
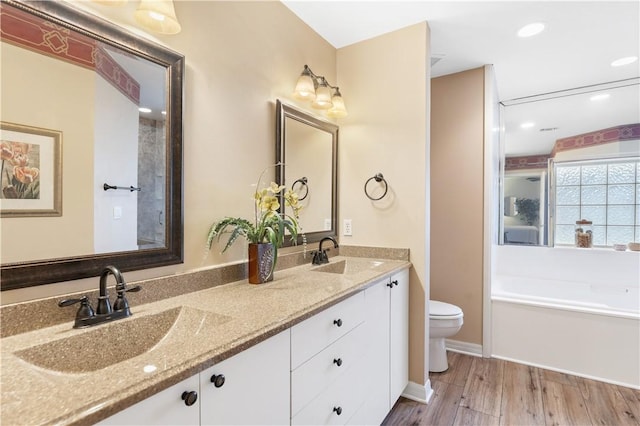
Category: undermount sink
[119,341]
[347,267]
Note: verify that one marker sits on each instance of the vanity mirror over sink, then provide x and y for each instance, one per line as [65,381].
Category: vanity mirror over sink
[91,171]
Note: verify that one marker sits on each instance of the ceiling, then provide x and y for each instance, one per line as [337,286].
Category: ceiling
[580,41]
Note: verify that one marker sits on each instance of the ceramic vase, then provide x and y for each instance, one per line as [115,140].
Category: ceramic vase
[261,258]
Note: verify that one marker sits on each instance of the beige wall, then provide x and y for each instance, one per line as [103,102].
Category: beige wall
[457,153]
[38,85]
[385,84]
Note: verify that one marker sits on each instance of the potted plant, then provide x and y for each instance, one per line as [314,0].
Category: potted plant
[265,234]
[528,209]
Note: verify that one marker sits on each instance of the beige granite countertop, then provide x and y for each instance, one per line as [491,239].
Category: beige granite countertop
[205,327]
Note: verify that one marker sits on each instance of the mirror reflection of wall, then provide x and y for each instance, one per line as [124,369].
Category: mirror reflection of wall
[597,123]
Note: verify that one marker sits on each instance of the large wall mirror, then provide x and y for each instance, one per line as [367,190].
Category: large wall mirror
[308,149]
[113,103]
[569,156]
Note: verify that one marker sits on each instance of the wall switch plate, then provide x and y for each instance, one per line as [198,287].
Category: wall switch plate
[346,229]
[327,224]
[117,212]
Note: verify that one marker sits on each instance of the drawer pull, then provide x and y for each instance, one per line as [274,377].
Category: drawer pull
[189,398]
[338,322]
[337,410]
[337,361]
[218,380]
[390,285]
[394,282]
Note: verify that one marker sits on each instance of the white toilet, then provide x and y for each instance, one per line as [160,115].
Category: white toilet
[445,320]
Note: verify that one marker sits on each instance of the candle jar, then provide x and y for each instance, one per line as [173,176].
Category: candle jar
[584,233]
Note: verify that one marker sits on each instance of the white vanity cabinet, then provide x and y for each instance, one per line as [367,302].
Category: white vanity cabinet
[250,388]
[387,346]
[253,388]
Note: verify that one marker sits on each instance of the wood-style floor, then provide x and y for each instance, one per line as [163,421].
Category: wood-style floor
[481,391]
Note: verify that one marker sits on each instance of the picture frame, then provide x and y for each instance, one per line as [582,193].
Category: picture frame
[30,171]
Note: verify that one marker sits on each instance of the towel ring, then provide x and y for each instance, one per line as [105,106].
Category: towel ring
[378,178]
[303,182]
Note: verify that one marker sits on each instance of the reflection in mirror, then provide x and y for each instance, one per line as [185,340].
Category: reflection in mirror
[116,100]
[307,146]
[569,156]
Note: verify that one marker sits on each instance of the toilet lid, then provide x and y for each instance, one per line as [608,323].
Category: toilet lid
[441,309]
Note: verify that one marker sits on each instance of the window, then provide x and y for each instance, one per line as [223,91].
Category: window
[606,192]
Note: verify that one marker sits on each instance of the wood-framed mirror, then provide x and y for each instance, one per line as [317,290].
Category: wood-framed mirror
[308,149]
[87,80]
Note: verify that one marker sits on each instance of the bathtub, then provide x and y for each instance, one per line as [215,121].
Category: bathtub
[588,330]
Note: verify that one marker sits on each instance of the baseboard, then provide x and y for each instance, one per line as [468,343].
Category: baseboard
[418,393]
[463,347]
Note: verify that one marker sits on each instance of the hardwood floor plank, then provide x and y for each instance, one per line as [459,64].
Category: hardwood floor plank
[468,417]
[521,396]
[459,366]
[401,412]
[483,390]
[632,396]
[554,376]
[563,404]
[605,404]
[442,407]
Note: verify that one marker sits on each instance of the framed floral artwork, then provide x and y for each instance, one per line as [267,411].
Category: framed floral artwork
[30,171]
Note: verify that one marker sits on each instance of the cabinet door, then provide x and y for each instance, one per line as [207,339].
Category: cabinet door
[399,334]
[256,386]
[164,408]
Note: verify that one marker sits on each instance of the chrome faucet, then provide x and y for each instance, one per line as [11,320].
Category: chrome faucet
[320,257]
[86,317]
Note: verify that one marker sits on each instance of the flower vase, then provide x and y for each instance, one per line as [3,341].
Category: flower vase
[261,259]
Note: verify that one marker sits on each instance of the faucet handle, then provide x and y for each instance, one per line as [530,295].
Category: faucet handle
[84,311]
[121,303]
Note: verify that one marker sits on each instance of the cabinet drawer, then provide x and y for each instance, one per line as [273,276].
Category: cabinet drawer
[318,373]
[316,333]
[345,395]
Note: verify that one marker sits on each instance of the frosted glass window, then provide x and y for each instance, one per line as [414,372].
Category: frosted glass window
[565,234]
[599,235]
[567,214]
[638,215]
[596,214]
[620,215]
[568,175]
[594,194]
[592,175]
[619,235]
[637,234]
[621,194]
[622,173]
[638,172]
[568,195]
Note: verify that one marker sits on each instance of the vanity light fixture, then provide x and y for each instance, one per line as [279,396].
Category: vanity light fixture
[158,16]
[144,110]
[316,88]
[531,29]
[624,61]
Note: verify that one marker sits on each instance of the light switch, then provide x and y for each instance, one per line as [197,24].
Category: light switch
[327,224]
[346,229]
[117,212]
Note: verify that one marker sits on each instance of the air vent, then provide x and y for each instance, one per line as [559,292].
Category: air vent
[549,129]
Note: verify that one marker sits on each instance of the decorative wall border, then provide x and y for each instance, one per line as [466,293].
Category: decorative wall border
[31,32]
[585,140]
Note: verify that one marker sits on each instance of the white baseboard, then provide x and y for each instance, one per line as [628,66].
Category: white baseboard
[463,347]
[418,393]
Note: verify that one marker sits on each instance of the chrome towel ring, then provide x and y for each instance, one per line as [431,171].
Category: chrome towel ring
[303,183]
[378,178]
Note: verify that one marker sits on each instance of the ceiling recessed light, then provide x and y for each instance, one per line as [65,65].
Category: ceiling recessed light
[144,109]
[164,113]
[624,61]
[527,125]
[600,96]
[531,29]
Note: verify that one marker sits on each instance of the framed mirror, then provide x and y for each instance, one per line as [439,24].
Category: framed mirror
[568,156]
[308,148]
[91,84]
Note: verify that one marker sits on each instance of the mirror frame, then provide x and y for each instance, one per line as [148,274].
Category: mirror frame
[47,271]
[284,111]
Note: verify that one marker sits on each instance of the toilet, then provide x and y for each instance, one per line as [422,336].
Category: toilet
[445,320]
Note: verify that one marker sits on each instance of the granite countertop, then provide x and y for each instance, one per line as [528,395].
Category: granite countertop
[188,334]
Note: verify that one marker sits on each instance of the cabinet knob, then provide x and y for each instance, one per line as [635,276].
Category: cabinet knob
[337,410]
[337,361]
[394,282]
[218,380]
[338,322]
[189,398]
[390,285]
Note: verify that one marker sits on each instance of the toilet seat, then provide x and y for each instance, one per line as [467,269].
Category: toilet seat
[442,310]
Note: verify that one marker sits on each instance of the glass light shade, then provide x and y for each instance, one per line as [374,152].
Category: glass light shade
[305,88]
[323,96]
[338,109]
[158,16]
